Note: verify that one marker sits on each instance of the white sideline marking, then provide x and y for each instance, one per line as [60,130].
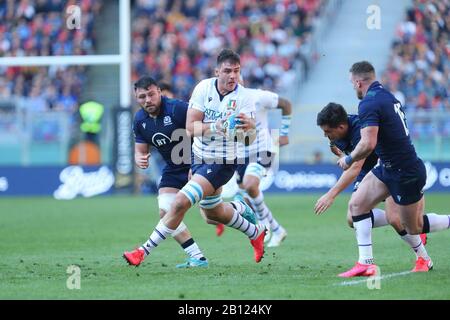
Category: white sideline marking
[387,276]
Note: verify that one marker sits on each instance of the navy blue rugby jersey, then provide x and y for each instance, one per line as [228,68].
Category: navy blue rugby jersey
[380,108]
[158,131]
[348,144]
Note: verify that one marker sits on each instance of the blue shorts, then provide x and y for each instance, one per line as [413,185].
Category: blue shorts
[264,159]
[405,185]
[174,177]
[217,174]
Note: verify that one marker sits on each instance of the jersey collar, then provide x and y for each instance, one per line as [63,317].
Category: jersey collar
[223,96]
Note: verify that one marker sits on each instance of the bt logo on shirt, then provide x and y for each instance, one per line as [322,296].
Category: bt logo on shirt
[160,139]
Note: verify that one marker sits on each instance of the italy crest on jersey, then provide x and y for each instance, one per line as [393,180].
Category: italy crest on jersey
[232,105]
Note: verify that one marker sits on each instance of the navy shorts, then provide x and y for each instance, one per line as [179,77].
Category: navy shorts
[217,174]
[264,159]
[405,185]
[358,179]
[174,177]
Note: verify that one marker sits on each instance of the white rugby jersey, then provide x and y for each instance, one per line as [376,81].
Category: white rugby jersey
[264,101]
[206,99]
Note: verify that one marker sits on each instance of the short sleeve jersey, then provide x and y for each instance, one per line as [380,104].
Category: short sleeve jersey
[165,131]
[348,144]
[380,108]
[206,98]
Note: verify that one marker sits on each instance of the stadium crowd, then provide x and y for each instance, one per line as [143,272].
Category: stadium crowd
[176,41]
[38,28]
[419,67]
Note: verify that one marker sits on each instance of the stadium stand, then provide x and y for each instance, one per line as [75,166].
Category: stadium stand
[176,40]
[38,28]
[419,69]
[40,104]
[419,73]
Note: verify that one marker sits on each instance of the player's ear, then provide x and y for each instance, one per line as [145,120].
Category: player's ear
[216,72]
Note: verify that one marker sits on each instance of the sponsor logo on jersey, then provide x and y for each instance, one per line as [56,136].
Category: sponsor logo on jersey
[160,139]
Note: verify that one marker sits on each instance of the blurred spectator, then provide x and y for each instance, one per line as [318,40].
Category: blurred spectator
[166,89]
[418,71]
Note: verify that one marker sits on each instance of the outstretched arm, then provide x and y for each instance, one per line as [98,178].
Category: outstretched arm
[344,181]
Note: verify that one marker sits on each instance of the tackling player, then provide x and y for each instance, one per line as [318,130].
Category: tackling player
[344,133]
[400,173]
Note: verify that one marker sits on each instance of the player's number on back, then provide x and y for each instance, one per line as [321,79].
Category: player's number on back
[401,114]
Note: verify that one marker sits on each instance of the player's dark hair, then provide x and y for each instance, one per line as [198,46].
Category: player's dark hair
[362,68]
[332,115]
[165,86]
[228,55]
[145,82]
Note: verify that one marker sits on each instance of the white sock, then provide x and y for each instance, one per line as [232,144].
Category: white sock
[363,229]
[438,222]
[238,222]
[379,218]
[416,244]
[160,233]
[192,249]
[264,212]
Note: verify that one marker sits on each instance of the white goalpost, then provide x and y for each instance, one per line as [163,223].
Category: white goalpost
[122,59]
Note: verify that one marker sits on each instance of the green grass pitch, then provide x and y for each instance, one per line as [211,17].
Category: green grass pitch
[42,237]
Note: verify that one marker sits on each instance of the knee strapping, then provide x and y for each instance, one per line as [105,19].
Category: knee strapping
[256,170]
[193,191]
[165,201]
[211,202]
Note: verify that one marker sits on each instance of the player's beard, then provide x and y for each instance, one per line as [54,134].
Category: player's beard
[359,94]
[152,110]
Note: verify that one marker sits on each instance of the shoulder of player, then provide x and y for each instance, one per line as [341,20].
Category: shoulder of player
[140,115]
[171,103]
[247,94]
[205,84]
[353,120]
[368,103]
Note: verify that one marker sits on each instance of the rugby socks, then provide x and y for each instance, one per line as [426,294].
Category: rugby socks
[192,250]
[263,212]
[363,229]
[415,243]
[240,223]
[379,218]
[433,222]
[160,233]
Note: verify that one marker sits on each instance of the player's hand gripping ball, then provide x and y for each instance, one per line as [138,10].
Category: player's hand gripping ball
[229,125]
